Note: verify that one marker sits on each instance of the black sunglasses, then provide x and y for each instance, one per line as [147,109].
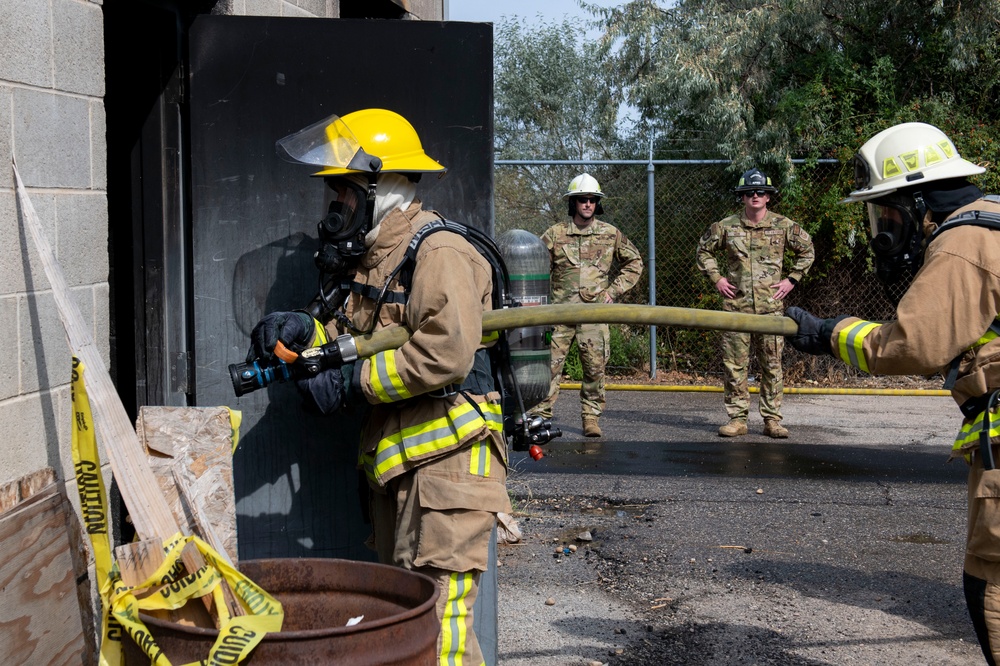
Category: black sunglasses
[592,200]
[759,193]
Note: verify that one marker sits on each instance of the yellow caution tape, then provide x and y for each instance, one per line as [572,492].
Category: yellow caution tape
[93,507]
[169,587]
[235,421]
[237,635]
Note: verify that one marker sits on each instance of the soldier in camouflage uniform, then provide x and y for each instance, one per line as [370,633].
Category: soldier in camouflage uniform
[582,252]
[754,242]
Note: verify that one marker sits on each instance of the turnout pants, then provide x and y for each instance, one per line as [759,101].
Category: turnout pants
[981,577]
[437,520]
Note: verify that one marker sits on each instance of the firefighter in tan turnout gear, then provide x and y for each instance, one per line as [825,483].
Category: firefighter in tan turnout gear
[754,243]
[930,223]
[432,445]
[581,253]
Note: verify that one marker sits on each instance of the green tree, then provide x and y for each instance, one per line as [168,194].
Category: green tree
[762,82]
[552,101]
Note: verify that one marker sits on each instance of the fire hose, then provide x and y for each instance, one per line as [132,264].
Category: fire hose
[347,348]
[591,313]
[529,430]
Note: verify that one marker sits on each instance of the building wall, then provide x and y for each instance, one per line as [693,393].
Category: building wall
[52,122]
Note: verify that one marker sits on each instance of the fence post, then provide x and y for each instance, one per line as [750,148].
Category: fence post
[651,239]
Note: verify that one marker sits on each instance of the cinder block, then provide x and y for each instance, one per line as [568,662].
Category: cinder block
[82,246]
[427,10]
[102,320]
[26,43]
[52,139]
[78,47]
[31,436]
[293,10]
[98,146]
[262,7]
[45,356]
[308,7]
[20,268]
[9,383]
[6,128]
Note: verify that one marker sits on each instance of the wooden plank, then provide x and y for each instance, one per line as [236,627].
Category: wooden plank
[139,560]
[147,507]
[19,490]
[40,617]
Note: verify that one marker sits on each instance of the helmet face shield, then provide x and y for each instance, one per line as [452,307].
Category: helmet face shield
[862,172]
[328,143]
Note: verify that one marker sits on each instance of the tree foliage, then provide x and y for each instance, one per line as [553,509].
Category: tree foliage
[552,101]
[761,83]
[551,97]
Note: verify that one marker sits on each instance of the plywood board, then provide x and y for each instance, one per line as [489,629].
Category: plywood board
[40,618]
[194,444]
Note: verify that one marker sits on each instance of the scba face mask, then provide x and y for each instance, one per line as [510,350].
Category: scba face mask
[896,241]
[342,231]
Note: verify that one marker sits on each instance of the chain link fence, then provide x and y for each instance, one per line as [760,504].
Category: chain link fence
[665,206]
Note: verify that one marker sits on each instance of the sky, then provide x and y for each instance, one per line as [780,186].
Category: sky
[492,10]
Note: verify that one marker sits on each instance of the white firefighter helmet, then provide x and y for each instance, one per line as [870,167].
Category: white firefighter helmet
[583,184]
[903,156]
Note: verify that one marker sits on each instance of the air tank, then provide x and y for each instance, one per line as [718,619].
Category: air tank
[527,261]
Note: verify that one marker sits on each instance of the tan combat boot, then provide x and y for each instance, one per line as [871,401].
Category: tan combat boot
[773,428]
[590,427]
[734,428]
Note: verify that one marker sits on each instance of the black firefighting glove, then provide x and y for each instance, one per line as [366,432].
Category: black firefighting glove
[813,336]
[323,393]
[354,395]
[332,389]
[293,329]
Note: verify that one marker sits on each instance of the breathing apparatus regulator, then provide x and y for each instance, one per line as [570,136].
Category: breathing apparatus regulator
[903,174]
[354,151]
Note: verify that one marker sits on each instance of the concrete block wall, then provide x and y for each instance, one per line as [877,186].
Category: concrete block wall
[52,122]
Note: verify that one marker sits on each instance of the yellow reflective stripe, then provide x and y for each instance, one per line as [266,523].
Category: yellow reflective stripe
[480,464]
[455,620]
[426,438]
[319,337]
[494,416]
[969,434]
[850,342]
[487,338]
[989,335]
[385,379]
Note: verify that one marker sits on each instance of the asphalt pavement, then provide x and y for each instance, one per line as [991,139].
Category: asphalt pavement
[662,543]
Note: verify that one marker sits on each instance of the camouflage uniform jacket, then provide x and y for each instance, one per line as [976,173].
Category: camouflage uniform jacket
[581,262]
[755,253]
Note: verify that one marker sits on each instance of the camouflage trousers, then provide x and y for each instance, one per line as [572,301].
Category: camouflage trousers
[594,341]
[736,348]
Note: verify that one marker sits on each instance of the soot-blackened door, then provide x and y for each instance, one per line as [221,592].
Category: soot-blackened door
[253,228]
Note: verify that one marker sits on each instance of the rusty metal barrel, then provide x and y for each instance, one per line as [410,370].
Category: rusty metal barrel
[400,626]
